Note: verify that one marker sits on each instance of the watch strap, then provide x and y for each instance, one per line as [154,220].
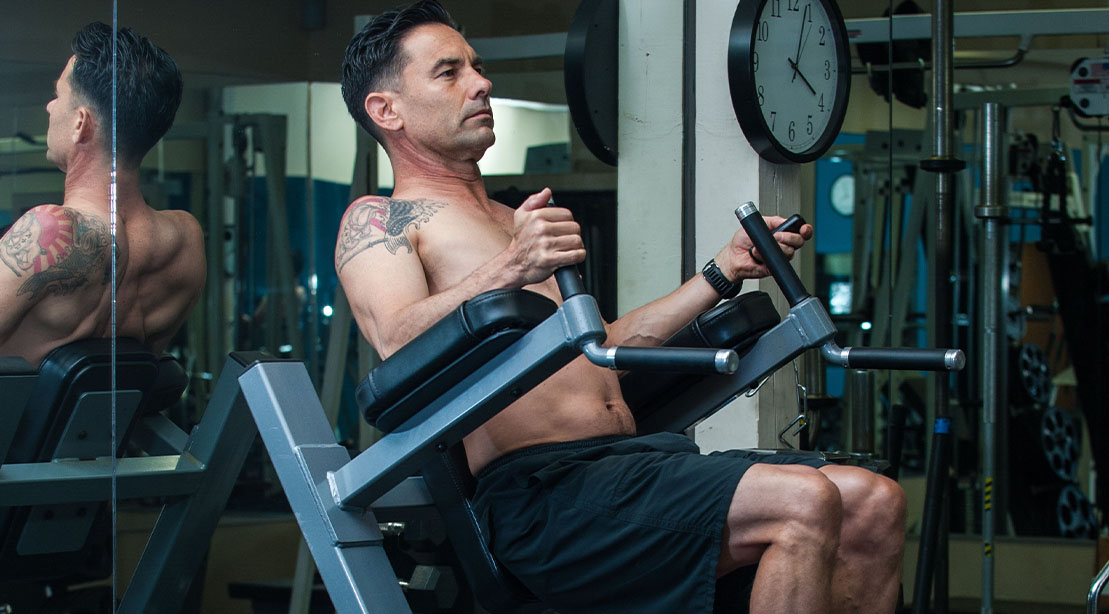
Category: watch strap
[725,288]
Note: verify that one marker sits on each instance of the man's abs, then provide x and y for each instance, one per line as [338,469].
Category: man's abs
[578,402]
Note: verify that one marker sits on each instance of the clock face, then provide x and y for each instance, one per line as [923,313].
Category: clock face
[790,70]
[843,194]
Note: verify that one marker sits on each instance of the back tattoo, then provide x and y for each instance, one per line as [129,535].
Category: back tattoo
[59,250]
[375,221]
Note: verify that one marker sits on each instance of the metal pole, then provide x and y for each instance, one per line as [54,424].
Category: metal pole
[932,556]
[993,213]
[862,410]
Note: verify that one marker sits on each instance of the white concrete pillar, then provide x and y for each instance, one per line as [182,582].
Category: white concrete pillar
[727,173]
[649,183]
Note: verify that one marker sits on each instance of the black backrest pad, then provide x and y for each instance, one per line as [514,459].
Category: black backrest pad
[734,324]
[447,352]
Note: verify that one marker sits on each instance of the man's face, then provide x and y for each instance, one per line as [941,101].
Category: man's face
[62,110]
[443,96]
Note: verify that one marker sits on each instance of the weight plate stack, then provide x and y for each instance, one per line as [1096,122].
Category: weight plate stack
[1075,514]
[1030,378]
[1059,443]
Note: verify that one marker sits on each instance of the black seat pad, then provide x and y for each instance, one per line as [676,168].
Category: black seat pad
[447,352]
[734,324]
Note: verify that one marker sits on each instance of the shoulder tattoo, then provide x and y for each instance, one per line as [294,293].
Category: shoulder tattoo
[375,221]
[57,249]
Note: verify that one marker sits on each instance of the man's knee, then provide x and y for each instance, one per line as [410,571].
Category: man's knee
[875,506]
[804,502]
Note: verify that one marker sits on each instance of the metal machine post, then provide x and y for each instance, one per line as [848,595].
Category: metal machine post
[932,556]
[993,213]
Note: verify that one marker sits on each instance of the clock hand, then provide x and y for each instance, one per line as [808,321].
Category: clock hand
[796,57]
[802,38]
[797,71]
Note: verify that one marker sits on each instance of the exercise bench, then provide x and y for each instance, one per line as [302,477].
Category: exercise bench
[58,467]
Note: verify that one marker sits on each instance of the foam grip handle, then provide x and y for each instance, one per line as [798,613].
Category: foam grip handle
[684,360]
[771,254]
[569,282]
[907,359]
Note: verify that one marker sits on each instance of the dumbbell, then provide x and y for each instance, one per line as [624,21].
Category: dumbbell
[431,589]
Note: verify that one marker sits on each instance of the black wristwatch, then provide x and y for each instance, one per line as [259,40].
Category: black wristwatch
[712,273]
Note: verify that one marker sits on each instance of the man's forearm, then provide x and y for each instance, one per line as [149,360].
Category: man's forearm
[656,321]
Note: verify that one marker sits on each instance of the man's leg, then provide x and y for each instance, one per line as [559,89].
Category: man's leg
[786,518]
[868,563]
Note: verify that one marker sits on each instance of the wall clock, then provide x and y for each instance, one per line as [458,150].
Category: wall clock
[789,71]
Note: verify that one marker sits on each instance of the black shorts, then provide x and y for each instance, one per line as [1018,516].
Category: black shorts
[616,524]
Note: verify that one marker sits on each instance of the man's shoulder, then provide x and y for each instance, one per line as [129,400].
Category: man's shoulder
[53,249]
[181,223]
[390,222]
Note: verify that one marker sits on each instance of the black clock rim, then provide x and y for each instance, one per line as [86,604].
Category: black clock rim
[741,84]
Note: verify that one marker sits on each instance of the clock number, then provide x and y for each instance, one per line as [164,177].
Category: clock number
[773,119]
[775,8]
[762,98]
[792,134]
[827,69]
[822,36]
[764,31]
[755,61]
[821,103]
[808,126]
[794,5]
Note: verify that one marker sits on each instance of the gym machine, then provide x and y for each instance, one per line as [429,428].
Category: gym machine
[447,382]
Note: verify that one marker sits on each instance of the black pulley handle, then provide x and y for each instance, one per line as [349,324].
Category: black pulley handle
[771,253]
[900,359]
[915,359]
[688,360]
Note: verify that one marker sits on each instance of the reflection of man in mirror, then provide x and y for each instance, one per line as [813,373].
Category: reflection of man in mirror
[55,286]
[586,514]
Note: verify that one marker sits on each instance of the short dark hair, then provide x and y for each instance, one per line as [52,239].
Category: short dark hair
[373,57]
[148,81]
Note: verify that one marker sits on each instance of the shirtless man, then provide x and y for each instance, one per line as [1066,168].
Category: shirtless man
[55,282]
[589,517]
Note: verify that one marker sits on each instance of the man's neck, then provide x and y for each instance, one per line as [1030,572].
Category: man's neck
[89,183]
[452,181]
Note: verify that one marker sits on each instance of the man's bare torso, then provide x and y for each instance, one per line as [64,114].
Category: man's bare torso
[579,401]
[58,268]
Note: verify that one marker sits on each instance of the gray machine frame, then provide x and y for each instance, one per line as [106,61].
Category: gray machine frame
[195,471]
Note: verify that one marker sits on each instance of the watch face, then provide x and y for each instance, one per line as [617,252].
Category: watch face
[790,75]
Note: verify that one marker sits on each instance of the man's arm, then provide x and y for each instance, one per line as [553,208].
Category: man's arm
[50,250]
[379,266]
[656,321]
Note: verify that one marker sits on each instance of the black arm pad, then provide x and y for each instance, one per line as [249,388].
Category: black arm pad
[447,352]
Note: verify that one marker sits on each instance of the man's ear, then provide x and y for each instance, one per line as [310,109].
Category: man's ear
[381,107]
[84,125]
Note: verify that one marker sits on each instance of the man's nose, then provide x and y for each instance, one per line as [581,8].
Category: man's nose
[482,86]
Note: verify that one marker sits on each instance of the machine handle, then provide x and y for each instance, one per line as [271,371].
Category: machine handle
[771,252]
[568,278]
[905,359]
[684,360]
[569,281]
